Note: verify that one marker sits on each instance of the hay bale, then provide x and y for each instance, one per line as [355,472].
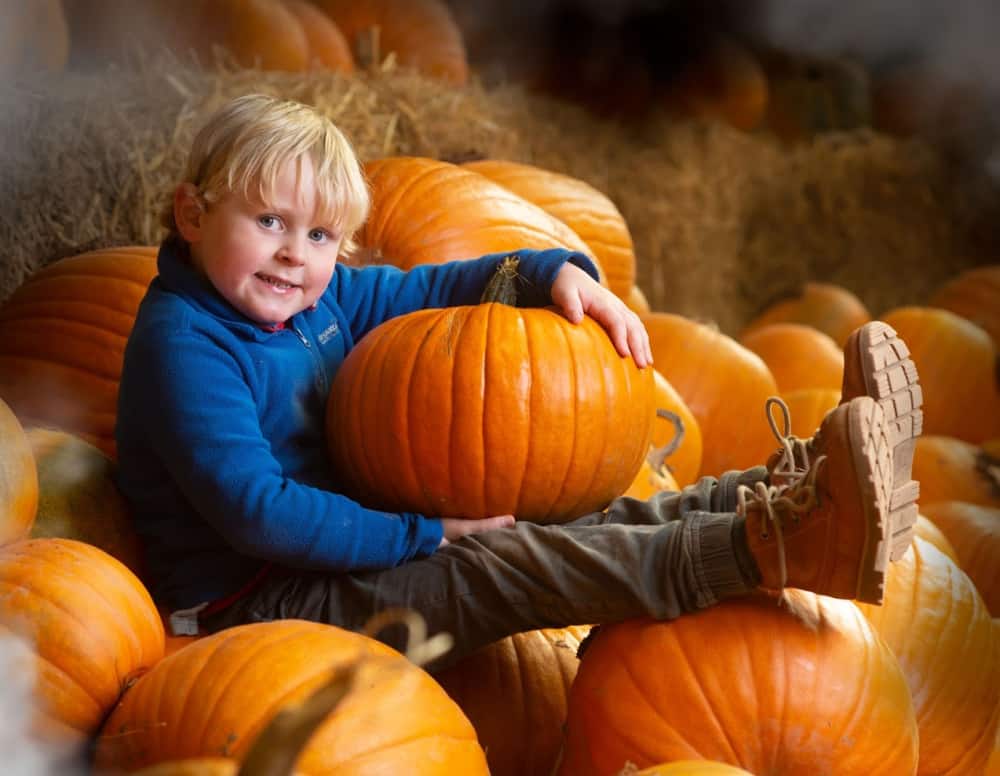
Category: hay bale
[723,221]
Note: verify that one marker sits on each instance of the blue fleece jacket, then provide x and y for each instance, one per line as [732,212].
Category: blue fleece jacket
[220,426]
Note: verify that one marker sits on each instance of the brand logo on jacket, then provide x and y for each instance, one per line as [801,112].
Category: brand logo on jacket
[327,334]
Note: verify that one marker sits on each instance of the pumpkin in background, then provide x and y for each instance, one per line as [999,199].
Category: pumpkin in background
[582,207]
[798,690]
[940,631]
[636,301]
[684,460]
[489,409]
[974,533]
[927,530]
[34,36]
[194,766]
[62,340]
[18,479]
[690,768]
[421,33]
[808,406]
[975,295]
[258,33]
[653,477]
[328,47]
[724,384]
[514,691]
[724,83]
[429,212]
[950,469]
[957,362]
[78,498]
[92,623]
[216,694]
[825,306]
[799,356]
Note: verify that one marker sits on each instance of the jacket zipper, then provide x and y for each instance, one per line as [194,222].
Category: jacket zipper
[321,381]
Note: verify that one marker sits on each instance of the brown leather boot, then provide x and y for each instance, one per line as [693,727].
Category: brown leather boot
[825,528]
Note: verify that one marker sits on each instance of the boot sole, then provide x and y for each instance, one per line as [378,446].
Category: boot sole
[891,379]
[873,465]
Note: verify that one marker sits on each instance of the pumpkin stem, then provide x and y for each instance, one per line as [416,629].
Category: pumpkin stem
[502,287]
[657,456]
[275,750]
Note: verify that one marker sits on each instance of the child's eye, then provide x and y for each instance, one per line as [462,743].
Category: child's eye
[267,221]
[319,235]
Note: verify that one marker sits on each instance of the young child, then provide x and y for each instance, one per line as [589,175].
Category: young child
[222,455]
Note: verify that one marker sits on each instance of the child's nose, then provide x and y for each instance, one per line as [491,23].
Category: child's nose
[291,253]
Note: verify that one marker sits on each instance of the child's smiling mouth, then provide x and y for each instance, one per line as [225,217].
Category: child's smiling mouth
[276,283]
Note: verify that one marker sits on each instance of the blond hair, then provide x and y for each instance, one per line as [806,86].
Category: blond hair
[245,144]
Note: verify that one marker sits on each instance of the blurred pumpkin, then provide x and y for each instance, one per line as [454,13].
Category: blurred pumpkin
[582,207]
[689,768]
[258,33]
[328,47]
[421,33]
[18,479]
[33,36]
[653,477]
[216,694]
[723,383]
[426,211]
[808,406]
[676,427]
[799,356]
[957,361]
[636,301]
[825,306]
[949,469]
[812,681]
[93,626]
[514,691]
[939,629]
[927,530]
[63,339]
[78,498]
[549,422]
[975,295]
[973,531]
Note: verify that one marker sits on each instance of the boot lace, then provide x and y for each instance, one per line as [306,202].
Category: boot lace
[791,491]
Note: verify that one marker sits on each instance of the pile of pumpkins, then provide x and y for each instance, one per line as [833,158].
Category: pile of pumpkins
[810,685]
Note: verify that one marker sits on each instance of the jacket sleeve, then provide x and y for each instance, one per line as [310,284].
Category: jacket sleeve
[371,295]
[207,434]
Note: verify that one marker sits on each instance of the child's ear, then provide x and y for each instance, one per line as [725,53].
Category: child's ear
[188,211]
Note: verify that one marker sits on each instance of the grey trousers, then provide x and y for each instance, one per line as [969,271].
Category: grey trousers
[675,553]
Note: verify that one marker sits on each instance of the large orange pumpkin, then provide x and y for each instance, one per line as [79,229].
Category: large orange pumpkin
[690,768]
[747,682]
[18,479]
[422,34]
[974,533]
[78,498]
[799,356]
[684,461]
[582,207]
[93,625]
[825,306]
[949,469]
[653,477]
[938,627]
[808,406]
[514,692]
[258,33]
[216,694]
[724,384]
[957,361]
[62,339]
[927,530]
[975,295]
[429,212]
[489,409]
[328,47]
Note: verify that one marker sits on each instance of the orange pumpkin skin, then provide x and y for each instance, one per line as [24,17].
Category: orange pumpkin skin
[974,533]
[692,768]
[78,498]
[636,301]
[583,208]
[328,47]
[18,479]
[214,696]
[798,356]
[515,692]
[487,410]
[684,463]
[938,627]
[724,384]
[975,295]
[93,625]
[927,530]
[421,33]
[825,306]
[650,481]
[808,406]
[63,339]
[258,33]
[957,364]
[747,682]
[950,469]
[194,766]
[429,212]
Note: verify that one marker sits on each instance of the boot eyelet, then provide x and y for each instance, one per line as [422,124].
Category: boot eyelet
[765,536]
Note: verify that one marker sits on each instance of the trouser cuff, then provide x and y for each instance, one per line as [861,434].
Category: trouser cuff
[718,562]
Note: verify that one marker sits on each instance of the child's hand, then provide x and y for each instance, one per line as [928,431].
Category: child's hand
[576,293]
[457,527]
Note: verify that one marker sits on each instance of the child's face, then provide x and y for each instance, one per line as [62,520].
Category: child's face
[269,260]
